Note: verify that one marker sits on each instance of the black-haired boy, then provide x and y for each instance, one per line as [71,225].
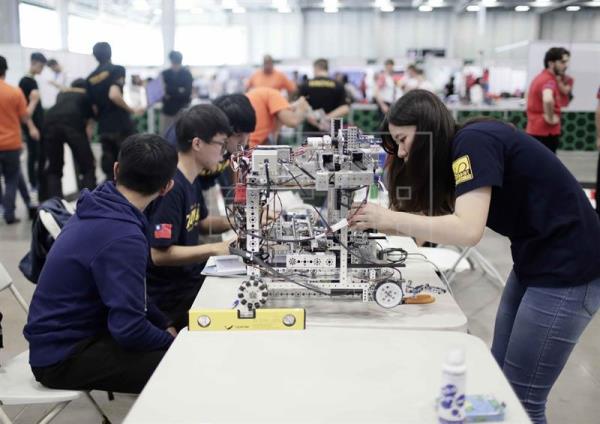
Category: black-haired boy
[177,219]
[90,326]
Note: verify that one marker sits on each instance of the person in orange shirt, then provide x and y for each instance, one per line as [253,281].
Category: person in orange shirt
[268,76]
[13,112]
[272,111]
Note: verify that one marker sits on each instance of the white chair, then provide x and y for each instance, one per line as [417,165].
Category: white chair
[18,387]
[451,262]
[446,259]
[6,282]
[49,223]
[17,383]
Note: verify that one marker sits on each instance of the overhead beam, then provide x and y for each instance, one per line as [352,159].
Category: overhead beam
[542,10]
[460,6]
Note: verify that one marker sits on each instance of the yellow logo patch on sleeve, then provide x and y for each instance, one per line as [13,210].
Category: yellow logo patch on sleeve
[462,169]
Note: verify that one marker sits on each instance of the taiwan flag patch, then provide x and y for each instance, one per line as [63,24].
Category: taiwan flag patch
[162,231]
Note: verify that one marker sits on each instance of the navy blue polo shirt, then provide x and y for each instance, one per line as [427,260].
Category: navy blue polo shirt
[536,202]
[174,219]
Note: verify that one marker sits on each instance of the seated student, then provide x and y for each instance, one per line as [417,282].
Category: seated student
[90,325]
[176,220]
[242,120]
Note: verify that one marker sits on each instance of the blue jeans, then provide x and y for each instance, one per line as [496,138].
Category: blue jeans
[536,330]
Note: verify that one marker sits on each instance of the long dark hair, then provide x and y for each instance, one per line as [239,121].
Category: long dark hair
[424,183]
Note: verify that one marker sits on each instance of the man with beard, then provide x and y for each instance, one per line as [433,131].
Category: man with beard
[543,99]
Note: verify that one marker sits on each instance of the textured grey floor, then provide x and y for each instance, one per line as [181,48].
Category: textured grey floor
[574,399]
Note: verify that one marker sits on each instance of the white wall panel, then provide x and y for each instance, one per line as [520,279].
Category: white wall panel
[583,26]
[272,33]
[347,34]
[403,30]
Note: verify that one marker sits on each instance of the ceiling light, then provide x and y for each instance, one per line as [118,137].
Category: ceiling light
[472,8]
[541,3]
[425,8]
[238,9]
[331,6]
[229,4]
[522,8]
[384,5]
[436,3]
[490,3]
[573,8]
[595,3]
[282,6]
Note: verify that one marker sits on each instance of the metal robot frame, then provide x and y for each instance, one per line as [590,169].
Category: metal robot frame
[305,253]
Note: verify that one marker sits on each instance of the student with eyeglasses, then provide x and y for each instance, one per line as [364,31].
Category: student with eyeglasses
[177,219]
[242,120]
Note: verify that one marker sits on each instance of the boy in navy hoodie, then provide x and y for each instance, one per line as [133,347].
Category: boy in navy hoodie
[90,326]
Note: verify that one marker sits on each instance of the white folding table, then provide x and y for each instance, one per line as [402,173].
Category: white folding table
[317,375]
[443,314]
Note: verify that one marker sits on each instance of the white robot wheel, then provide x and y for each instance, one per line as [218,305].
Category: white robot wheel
[388,294]
[253,294]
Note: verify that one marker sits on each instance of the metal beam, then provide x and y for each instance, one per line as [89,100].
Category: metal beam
[460,5]
[542,10]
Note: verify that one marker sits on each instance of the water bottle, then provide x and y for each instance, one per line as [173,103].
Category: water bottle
[451,406]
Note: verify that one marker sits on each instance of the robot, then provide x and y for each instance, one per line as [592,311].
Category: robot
[309,252]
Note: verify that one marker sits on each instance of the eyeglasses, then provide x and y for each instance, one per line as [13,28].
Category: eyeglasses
[223,145]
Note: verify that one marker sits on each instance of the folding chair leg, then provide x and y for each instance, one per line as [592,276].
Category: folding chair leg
[19,298]
[53,412]
[489,268]
[105,419]
[452,272]
[3,417]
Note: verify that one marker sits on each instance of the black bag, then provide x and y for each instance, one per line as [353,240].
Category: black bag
[41,240]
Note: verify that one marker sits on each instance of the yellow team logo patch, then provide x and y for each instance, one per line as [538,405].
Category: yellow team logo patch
[192,218]
[462,169]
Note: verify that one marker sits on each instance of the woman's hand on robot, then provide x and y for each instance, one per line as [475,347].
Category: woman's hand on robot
[365,216]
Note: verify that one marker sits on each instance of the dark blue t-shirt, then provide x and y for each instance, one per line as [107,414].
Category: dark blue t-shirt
[536,202]
[174,220]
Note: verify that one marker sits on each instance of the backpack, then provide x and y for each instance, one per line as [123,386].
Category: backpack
[51,217]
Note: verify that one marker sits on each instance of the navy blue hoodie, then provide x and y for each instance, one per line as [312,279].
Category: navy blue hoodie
[94,282]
